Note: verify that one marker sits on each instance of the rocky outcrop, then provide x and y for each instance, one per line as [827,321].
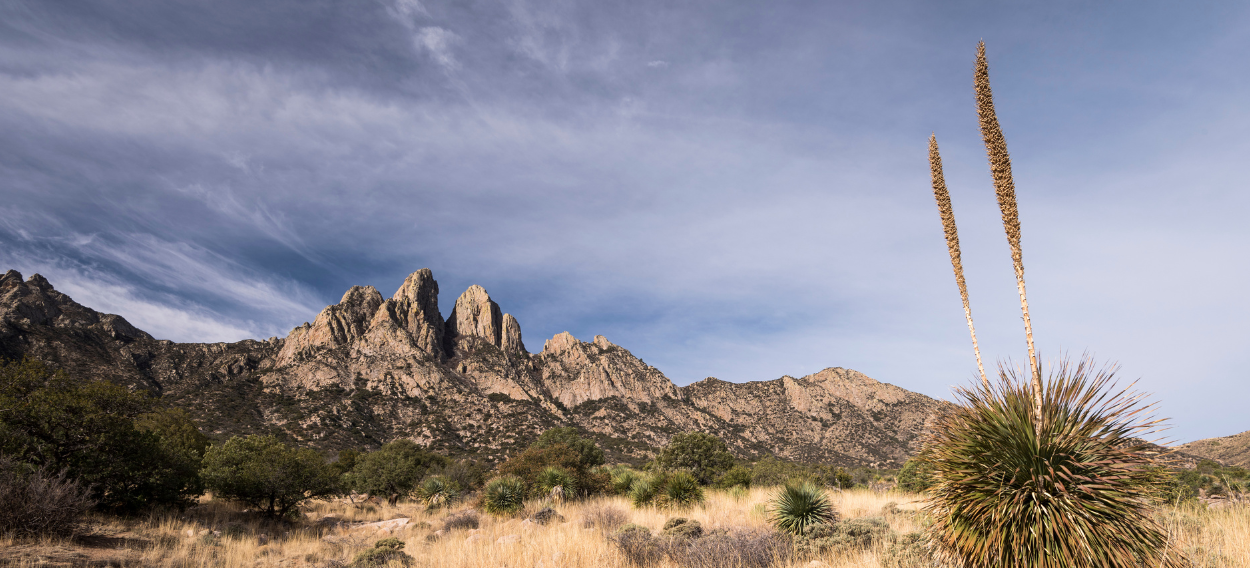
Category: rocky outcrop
[368,370]
[1230,450]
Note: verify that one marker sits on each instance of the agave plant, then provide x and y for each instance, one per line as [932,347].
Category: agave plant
[798,507]
[438,491]
[1069,488]
[504,495]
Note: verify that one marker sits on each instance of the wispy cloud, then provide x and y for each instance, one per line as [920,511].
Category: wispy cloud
[438,42]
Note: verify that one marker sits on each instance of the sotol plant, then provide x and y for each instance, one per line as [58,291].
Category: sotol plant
[798,507]
[504,495]
[1033,475]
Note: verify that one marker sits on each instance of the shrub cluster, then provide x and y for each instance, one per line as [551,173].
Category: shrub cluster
[34,501]
[677,489]
[684,543]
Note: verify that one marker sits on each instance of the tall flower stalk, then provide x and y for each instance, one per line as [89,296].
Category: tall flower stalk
[943,198]
[1005,189]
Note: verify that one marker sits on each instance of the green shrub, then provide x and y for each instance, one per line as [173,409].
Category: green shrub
[623,480]
[588,453]
[438,491]
[736,476]
[682,527]
[504,495]
[1070,487]
[132,453]
[266,474]
[683,490]
[844,537]
[916,475]
[645,489]
[394,470]
[797,507]
[705,456]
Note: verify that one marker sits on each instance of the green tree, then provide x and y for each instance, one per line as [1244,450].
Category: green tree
[916,475]
[588,454]
[266,474]
[705,456]
[394,470]
[121,443]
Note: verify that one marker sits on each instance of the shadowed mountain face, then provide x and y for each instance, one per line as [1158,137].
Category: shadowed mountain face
[372,369]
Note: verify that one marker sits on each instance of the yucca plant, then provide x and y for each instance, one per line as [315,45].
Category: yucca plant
[798,507]
[552,477]
[438,491]
[503,495]
[623,480]
[683,490]
[1072,493]
[645,489]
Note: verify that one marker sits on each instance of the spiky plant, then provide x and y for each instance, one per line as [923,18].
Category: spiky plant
[943,198]
[503,495]
[1067,488]
[798,507]
[551,477]
[645,489]
[438,491]
[683,490]
[623,480]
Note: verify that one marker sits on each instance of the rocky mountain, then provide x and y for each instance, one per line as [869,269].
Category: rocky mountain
[371,369]
[1229,450]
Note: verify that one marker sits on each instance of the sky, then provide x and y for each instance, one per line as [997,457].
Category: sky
[727,189]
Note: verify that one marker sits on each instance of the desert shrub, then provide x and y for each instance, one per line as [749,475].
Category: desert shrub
[854,534]
[638,546]
[265,474]
[547,480]
[704,456]
[438,491]
[797,507]
[1070,487]
[131,452]
[383,553]
[588,453]
[916,475]
[907,551]
[504,495]
[736,476]
[682,527]
[33,501]
[682,490]
[645,489]
[771,471]
[737,547]
[467,474]
[603,517]
[346,461]
[463,520]
[393,470]
[546,515]
[529,464]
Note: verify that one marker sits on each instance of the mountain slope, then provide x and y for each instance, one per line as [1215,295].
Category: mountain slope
[1229,450]
[371,369]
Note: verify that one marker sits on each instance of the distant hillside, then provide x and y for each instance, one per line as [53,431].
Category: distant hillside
[1230,450]
[371,369]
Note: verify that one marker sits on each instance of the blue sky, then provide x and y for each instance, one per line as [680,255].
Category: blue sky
[736,190]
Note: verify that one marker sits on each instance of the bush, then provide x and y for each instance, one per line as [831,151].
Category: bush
[394,470]
[847,536]
[383,553]
[738,547]
[129,451]
[682,527]
[504,495]
[603,517]
[267,475]
[771,471]
[907,551]
[638,546]
[588,454]
[683,490]
[1069,487]
[623,479]
[705,456]
[916,475]
[736,476]
[438,491]
[798,507]
[33,501]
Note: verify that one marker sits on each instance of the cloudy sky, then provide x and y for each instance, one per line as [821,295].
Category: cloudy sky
[736,190]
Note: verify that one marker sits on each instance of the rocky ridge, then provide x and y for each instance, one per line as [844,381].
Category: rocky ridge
[370,369]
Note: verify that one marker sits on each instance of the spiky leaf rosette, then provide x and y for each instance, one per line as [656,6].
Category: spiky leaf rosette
[504,495]
[1073,493]
[798,507]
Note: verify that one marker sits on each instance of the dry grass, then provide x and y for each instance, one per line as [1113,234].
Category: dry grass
[1213,538]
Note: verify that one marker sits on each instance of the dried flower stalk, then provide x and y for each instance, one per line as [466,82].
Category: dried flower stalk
[1005,188]
[943,198]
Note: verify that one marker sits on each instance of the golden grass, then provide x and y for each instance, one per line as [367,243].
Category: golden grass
[1212,538]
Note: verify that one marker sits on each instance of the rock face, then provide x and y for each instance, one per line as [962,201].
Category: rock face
[369,370]
[1230,450]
